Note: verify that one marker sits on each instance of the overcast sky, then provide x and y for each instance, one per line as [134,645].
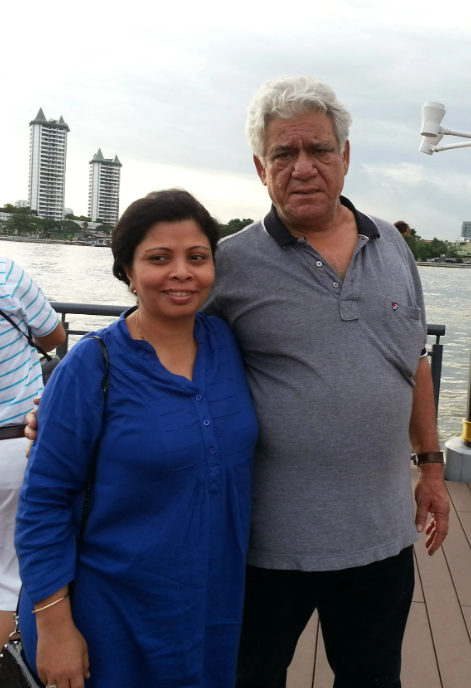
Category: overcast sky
[165,85]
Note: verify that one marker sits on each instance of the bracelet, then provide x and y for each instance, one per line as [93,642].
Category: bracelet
[41,609]
[429,457]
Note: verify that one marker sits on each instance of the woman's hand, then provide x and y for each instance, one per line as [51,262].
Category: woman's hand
[31,429]
[62,654]
[62,657]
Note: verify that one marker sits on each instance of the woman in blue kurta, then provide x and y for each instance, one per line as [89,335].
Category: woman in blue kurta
[158,586]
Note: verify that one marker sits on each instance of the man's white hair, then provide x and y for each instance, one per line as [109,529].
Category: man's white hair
[289,97]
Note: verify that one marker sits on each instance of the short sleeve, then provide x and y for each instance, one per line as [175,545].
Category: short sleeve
[28,299]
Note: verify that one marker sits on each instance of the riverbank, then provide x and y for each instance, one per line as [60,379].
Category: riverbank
[445,265]
[35,240]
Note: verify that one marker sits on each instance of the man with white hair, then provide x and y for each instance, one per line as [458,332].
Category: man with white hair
[327,306]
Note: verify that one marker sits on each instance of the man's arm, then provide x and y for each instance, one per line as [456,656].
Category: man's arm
[430,493]
[53,339]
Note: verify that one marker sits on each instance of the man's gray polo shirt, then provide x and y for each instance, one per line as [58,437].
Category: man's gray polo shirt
[330,366]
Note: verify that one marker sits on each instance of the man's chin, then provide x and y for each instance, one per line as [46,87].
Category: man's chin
[307,211]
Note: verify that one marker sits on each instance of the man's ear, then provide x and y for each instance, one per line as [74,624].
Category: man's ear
[346,156]
[261,171]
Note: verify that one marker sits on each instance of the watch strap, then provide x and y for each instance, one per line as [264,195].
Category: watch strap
[429,457]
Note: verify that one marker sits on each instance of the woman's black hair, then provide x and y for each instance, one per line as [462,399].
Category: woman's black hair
[169,205]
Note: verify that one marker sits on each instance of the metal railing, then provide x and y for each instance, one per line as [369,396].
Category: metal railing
[82,309]
[436,356]
[435,353]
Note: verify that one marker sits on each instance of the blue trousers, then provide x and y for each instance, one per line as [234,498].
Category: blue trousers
[363,613]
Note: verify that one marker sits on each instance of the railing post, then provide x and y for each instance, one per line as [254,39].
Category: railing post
[436,367]
[436,356]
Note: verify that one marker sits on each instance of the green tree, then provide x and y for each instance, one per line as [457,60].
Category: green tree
[9,208]
[83,218]
[234,225]
[21,224]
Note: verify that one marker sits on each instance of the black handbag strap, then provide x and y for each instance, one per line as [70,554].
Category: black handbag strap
[93,464]
[27,335]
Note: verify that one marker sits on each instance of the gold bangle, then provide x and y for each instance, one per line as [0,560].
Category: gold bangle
[35,611]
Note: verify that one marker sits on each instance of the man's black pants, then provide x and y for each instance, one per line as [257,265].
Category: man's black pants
[363,613]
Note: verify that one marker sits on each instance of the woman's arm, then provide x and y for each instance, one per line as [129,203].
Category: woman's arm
[70,422]
[62,653]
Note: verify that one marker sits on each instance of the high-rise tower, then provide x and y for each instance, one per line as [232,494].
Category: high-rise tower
[47,158]
[103,193]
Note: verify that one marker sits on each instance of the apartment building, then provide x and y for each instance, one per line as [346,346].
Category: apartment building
[47,162]
[103,194]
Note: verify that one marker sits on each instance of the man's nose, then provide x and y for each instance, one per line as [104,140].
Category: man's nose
[304,167]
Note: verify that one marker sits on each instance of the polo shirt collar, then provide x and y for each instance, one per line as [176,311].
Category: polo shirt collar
[283,236]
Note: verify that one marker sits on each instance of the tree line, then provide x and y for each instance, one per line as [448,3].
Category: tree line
[25,222]
[423,250]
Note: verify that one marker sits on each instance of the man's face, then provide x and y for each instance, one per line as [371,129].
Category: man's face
[303,169]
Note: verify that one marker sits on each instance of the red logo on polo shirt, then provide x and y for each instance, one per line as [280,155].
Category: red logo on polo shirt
[394,306]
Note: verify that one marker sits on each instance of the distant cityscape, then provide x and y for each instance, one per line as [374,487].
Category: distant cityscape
[44,214]
[47,170]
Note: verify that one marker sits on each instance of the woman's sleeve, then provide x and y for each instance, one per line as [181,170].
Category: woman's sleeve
[69,424]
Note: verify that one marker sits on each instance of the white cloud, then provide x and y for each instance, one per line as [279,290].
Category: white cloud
[407,174]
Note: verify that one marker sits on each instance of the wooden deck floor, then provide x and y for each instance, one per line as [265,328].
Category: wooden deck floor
[437,645]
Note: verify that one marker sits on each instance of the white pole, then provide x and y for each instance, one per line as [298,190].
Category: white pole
[455,132]
[437,149]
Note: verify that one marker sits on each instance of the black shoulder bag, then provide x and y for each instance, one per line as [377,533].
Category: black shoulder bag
[14,670]
[48,363]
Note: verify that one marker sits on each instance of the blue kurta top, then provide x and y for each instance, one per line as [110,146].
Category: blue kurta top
[160,580]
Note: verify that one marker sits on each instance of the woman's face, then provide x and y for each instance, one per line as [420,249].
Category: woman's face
[172,270]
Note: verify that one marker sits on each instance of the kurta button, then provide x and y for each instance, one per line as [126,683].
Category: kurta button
[212,450]
[198,397]
[335,284]
[206,422]
[319,264]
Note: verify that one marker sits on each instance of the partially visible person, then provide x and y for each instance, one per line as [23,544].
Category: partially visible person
[403,227]
[159,581]
[20,382]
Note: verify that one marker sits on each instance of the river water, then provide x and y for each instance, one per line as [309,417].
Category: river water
[82,274]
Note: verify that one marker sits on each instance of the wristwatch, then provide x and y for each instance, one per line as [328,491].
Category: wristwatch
[428,457]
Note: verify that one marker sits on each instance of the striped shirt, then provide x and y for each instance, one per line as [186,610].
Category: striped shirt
[20,371]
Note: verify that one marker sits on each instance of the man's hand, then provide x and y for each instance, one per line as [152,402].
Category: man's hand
[431,497]
[31,429]
[430,494]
